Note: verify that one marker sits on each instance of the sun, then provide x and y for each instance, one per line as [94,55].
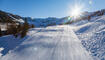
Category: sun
[76,10]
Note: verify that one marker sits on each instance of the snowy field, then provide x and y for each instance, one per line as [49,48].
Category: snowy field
[84,40]
[51,43]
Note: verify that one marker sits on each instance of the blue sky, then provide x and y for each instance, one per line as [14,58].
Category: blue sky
[47,8]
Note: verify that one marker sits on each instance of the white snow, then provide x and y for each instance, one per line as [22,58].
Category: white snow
[19,20]
[3,26]
[83,40]
[92,35]
[1,49]
[51,43]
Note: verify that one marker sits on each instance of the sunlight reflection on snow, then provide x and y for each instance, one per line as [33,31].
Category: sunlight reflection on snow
[90,2]
[1,49]
[35,49]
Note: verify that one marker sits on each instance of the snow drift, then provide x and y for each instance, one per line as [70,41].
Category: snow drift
[92,35]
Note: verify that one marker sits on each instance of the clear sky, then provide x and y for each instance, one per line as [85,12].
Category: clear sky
[47,8]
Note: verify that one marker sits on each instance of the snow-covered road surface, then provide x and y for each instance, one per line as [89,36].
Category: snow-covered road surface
[51,43]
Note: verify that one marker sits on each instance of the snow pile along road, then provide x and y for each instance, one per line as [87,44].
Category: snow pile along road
[51,43]
[92,35]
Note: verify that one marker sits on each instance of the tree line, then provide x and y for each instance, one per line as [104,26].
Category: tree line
[16,29]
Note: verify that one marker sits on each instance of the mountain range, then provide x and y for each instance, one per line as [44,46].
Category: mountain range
[43,22]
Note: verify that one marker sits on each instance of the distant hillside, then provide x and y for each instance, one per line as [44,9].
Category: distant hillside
[10,18]
[43,22]
[50,21]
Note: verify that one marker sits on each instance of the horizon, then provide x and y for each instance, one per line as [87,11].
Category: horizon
[48,8]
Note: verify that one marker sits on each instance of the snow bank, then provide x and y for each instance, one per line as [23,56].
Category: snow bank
[92,35]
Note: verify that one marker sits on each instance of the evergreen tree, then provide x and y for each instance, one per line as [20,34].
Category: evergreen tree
[0,32]
[25,29]
[32,26]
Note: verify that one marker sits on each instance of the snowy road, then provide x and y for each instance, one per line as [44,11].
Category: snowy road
[51,43]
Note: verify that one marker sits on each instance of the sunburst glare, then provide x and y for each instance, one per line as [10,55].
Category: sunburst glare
[76,10]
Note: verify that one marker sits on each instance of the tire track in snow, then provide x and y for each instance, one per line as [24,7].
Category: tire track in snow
[62,50]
